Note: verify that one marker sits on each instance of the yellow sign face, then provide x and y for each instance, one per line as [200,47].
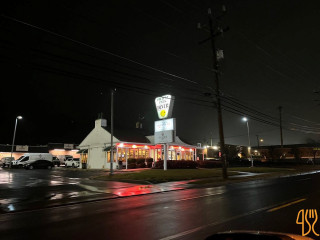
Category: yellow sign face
[309,217]
[163,113]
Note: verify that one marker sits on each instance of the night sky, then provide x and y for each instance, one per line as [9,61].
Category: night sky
[59,60]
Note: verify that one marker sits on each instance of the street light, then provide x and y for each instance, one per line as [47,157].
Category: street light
[249,146]
[14,133]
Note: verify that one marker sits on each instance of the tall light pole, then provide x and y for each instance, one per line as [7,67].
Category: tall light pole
[14,133]
[249,146]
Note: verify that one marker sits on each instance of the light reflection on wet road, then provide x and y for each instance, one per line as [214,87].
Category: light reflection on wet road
[186,214]
[23,189]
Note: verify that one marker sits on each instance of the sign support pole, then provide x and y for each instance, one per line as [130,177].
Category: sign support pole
[165,146]
[111,141]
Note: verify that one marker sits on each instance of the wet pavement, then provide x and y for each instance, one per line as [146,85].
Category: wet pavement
[24,189]
[260,205]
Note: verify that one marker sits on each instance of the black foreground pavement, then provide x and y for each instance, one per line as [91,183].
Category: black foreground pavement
[185,214]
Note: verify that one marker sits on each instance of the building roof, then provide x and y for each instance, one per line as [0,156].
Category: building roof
[177,141]
[129,135]
[101,136]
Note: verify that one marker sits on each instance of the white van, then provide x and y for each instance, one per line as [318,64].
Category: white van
[31,157]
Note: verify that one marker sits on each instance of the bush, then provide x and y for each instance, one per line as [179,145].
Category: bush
[239,162]
[140,160]
[132,160]
[176,164]
[149,162]
[209,164]
[141,163]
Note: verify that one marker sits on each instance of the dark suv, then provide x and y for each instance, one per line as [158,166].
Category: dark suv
[39,164]
[56,161]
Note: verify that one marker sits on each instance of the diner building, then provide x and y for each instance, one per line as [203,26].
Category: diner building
[95,149]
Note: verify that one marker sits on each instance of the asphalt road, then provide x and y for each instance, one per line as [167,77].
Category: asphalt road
[270,205]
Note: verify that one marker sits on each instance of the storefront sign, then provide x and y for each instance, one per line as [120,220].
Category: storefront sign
[68,146]
[164,137]
[20,148]
[164,106]
[165,125]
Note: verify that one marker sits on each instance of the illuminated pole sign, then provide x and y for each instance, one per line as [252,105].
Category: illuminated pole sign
[164,106]
[165,125]
[164,130]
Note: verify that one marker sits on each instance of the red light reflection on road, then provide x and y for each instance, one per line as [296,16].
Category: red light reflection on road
[139,190]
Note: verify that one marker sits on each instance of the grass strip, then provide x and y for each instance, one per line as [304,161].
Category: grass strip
[158,175]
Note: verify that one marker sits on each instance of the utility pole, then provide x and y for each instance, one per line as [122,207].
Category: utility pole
[111,142]
[216,30]
[281,136]
[258,141]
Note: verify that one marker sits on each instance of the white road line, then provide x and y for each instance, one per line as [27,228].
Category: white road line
[178,235]
[303,179]
[185,199]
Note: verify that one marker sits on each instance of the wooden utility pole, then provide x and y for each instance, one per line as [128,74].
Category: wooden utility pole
[215,31]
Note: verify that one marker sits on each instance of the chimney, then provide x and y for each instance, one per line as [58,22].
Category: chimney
[100,122]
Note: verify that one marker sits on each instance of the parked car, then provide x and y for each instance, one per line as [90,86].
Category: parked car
[6,161]
[72,162]
[56,161]
[39,164]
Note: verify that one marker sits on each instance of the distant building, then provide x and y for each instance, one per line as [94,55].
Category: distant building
[287,153]
[57,149]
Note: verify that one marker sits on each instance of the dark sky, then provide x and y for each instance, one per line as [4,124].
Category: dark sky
[59,60]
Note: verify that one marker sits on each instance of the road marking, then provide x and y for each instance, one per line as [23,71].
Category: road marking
[179,235]
[208,195]
[213,224]
[286,205]
[303,179]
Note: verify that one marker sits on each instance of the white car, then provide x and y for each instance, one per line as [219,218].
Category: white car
[6,161]
[72,162]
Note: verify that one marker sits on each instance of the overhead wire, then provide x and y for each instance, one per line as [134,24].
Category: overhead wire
[172,75]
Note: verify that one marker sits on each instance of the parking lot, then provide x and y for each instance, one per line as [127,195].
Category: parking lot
[27,189]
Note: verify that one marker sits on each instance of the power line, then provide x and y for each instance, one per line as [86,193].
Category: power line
[97,49]
[93,47]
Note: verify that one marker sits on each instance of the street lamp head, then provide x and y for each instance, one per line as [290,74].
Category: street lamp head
[245,119]
[261,140]
[19,117]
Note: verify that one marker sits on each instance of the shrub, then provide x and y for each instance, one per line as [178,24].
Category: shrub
[149,162]
[140,160]
[176,164]
[141,163]
[209,164]
[132,160]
